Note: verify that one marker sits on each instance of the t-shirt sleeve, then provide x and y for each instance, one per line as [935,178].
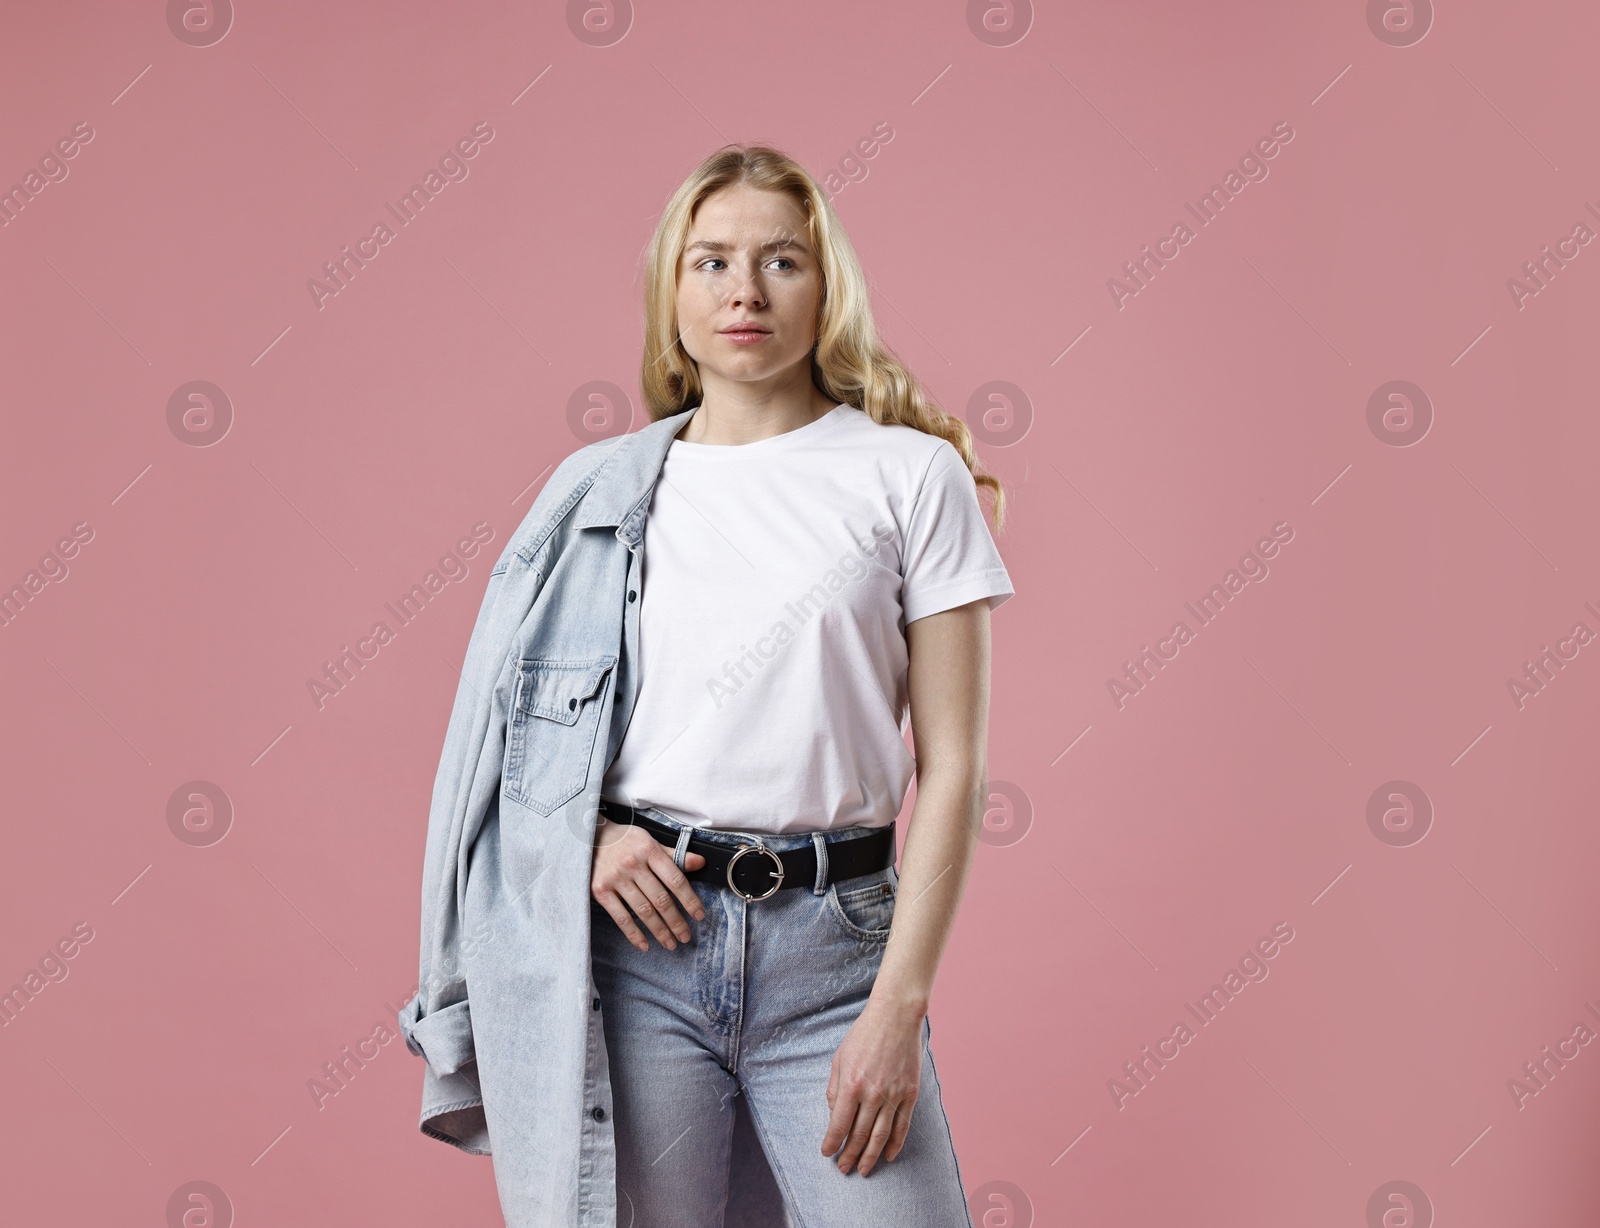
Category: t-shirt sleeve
[949,557]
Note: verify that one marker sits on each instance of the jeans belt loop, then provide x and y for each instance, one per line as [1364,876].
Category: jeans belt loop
[822,863]
[682,850]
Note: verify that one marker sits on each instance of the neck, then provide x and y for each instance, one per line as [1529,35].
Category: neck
[739,417]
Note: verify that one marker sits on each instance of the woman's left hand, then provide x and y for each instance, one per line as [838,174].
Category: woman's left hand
[873,1087]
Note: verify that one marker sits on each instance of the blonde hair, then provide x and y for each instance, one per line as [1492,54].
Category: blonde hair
[850,363]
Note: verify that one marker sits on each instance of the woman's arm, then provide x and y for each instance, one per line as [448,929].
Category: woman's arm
[878,1066]
[949,685]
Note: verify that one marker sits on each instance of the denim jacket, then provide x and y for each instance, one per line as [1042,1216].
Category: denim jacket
[545,695]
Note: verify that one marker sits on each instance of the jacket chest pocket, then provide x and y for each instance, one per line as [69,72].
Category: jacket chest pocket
[550,738]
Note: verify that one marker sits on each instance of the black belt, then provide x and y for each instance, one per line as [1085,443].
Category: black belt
[754,872]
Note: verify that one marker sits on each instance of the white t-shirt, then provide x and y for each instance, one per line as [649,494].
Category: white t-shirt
[778,579]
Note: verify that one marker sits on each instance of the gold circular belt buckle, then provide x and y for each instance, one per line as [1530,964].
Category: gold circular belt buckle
[777,875]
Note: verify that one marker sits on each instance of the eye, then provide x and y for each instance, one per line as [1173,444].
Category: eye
[710,260]
[786,261]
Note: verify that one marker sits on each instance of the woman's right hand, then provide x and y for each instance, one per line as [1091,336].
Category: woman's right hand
[634,869]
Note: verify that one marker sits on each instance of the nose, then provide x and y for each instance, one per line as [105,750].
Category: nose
[746,290]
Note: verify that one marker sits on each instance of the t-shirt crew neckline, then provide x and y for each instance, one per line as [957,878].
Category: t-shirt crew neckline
[762,447]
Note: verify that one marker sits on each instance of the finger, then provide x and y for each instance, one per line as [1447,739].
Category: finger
[902,1127]
[860,1131]
[612,903]
[882,1128]
[646,913]
[842,1111]
[662,901]
[667,871]
[652,879]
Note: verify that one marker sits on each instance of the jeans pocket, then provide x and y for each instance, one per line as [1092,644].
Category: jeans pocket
[864,906]
[555,717]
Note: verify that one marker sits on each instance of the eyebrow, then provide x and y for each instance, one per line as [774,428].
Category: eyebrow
[715,245]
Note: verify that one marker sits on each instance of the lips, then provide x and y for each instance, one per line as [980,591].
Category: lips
[745,328]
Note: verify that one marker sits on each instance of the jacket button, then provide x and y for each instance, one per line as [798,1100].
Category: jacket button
[632,594]
[571,704]
[597,1004]
[599,1113]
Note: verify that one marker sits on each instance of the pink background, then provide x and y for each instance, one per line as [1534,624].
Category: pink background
[1146,448]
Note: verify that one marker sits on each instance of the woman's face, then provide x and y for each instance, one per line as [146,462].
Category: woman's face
[747,261]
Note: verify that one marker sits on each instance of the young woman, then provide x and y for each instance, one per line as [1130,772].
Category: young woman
[816,569]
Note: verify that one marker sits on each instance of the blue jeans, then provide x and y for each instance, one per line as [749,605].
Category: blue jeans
[746,1017]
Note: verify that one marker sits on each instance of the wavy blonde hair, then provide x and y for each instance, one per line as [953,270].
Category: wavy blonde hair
[850,363]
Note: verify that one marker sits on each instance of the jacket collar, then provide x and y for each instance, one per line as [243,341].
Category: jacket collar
[619,492]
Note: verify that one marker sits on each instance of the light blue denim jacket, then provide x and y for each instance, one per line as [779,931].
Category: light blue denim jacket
[545,695]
